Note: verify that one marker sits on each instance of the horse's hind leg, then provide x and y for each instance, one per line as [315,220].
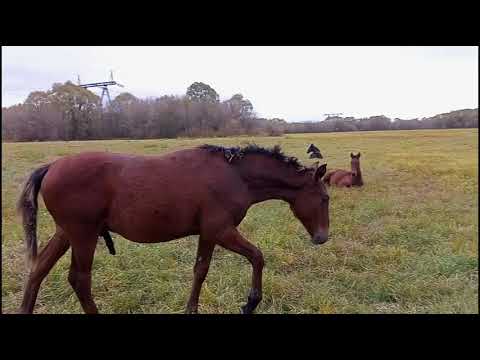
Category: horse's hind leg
[80,275]
[55,249]
[234,241]
[200,270]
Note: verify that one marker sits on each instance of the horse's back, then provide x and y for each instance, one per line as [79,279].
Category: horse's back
[340,177]
[84,169]
[189,169]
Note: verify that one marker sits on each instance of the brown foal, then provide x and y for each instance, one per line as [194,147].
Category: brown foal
[344,178]
[202,191]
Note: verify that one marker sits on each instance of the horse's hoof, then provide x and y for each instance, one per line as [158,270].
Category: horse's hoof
[246,310]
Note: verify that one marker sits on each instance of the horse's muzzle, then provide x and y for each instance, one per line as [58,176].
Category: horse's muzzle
[320,238]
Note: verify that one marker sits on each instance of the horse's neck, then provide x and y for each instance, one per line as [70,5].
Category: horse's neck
[265,193]
[357,179]
[272,182]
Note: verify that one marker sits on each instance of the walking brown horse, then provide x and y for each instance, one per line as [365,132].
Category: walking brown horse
[346,178]
[203,191]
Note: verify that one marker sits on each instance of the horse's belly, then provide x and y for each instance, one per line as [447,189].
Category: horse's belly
[150,223]
[148,236]
[151,233]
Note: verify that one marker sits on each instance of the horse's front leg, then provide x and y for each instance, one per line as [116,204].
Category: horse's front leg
[234,241]
[200,270]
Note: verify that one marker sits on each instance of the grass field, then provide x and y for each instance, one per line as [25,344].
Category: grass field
[407,242]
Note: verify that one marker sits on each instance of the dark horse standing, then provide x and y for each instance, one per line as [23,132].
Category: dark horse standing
[346,178]
[150,199]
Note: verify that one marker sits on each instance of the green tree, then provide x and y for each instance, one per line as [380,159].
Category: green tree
[36,98]
[201,92]
[243,107]
[80,107]
[125,98]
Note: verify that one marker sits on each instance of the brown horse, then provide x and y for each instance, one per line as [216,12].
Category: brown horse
[202,191]
[346,178]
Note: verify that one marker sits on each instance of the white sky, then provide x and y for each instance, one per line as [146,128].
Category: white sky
[293,83]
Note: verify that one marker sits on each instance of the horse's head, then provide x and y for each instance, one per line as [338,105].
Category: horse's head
[311,206]
[355,164]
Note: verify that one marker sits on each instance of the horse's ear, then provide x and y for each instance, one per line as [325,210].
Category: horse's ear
[320,172]
[352,156]
[358,156]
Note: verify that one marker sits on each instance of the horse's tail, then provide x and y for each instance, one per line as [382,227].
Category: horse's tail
[326,178]
[27,207]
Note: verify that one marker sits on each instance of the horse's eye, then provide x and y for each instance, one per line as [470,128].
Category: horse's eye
[325,197]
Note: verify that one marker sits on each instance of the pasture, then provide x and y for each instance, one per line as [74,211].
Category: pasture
[407,242]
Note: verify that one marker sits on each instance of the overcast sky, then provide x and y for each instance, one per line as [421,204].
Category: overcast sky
[293,83]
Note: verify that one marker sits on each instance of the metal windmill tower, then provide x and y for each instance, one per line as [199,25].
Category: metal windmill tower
[104,86]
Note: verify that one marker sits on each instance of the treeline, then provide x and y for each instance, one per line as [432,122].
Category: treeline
[467,118]
[70,112]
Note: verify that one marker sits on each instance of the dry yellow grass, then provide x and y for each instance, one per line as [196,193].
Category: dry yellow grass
[405,243]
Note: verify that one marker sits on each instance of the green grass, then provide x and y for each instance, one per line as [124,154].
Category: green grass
[407,242]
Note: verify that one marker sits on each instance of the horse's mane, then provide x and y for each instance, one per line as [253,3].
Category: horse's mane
[237,153]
